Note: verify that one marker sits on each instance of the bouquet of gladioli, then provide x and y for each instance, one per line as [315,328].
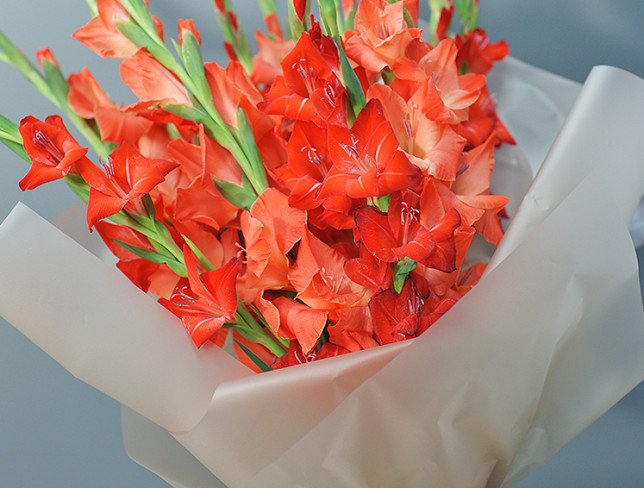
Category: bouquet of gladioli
[328,195]
[314,200]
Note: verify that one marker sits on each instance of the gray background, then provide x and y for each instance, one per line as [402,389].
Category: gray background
[57,432]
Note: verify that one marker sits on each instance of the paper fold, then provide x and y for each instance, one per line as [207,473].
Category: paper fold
[103,329]
[549,340]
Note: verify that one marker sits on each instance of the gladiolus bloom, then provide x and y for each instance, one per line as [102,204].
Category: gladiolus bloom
[207,301]
[52,150]
[125,178]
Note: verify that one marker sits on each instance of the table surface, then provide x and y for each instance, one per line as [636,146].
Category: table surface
[58,432]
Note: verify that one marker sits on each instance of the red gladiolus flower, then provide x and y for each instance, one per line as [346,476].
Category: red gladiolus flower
[125,178]
[366,159]
[477,53]
[293,320]
[395,317]
[52,150]
[310,88]
[202,203]
[353,330]
[304,173]
[399,233]
[367,270]
[205,302]
[469,195]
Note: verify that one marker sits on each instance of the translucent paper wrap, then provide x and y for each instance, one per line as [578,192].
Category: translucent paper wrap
[549,340]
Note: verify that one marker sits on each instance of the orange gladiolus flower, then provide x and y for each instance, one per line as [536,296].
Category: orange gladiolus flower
[320,279]
[88,100]
[381,35]
[150,81]
[433,147]
[270,229]
[101,33]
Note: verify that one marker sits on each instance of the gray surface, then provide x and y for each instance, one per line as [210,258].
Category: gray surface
[57,432]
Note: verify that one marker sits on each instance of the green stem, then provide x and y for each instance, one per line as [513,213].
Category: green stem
[248,327]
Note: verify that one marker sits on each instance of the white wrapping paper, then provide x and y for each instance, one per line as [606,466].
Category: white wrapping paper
[548,341]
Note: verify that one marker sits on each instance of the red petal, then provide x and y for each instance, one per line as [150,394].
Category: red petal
[395,317]
[222,285]
[101,206]
[444,256]
[375,232]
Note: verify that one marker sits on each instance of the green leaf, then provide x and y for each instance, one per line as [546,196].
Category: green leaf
[435,9]
[91,6]
[295,25]
[468,11]
[185,112]
[382,203]
[388,75]
[193,62]
[268,7]
[256,172]
[140,12]
[149,206]
[402,270]
[350,81]
[240,196]
[9,130]
[202,257]
[254,358]
[56,81]
[154,257]
[329,17]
